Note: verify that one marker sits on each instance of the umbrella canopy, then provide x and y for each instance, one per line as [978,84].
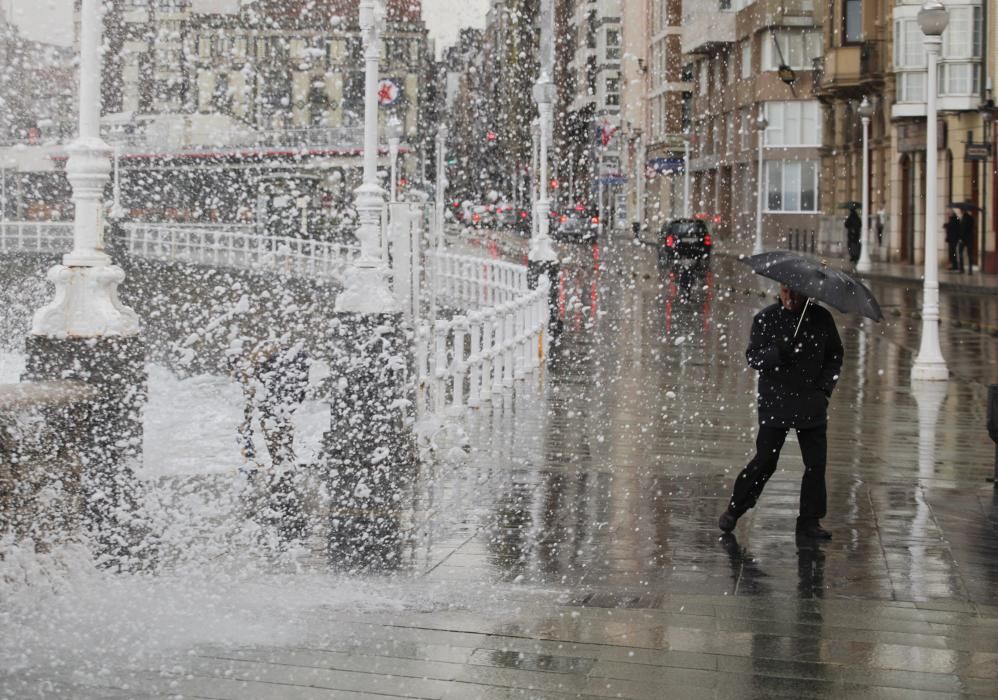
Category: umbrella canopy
[851,205]
[964,205]
[816,280]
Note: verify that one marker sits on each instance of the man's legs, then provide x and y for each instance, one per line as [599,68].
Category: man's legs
[813,496]
[753,478]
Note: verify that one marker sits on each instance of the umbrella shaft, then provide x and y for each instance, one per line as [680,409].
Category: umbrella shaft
[801,320]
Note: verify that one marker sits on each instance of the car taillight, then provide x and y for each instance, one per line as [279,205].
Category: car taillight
[706,239]
[523,215]
[596,220]
[670,241]
[563,219]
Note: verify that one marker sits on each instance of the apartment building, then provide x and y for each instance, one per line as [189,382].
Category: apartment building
[962,152]
[256,109]
[654,90]
[750,59]
[592,144]
[857,63]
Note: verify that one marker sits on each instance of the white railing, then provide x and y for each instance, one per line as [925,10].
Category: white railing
[245,248]
[500,338]
[36,236]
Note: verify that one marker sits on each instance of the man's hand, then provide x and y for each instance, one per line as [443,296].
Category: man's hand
[788,356]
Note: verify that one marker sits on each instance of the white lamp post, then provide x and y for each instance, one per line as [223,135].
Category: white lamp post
[541,251]
[366,290]
[639,179]
[864,264]
[687,142]
[535,159]
[86,302]
[761,124]
[441,183]
[117,212]
[394,130]
[929,364]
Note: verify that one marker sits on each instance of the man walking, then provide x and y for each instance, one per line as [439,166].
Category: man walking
[798,359]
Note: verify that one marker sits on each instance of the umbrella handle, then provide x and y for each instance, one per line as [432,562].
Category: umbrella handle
[806,304]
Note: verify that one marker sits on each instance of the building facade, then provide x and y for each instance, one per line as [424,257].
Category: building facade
[753,59]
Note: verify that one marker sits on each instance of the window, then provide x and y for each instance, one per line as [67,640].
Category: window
[963,35]
[612,45]
[797,49]
[793,124]
[958,79]
[613,91]
[792,186]
[746,59]
[909,49]
[852,21]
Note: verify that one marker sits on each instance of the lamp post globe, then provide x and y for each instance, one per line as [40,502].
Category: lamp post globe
[864,264]
[933,18]
[761,124]
[929,364]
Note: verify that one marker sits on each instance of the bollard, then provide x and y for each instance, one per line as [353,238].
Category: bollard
[993,425]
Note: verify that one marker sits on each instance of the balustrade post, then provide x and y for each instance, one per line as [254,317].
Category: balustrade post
[440,329]
[488,352]
[422,336]
[459,369]
[509,343]
[498,356]
[475,359]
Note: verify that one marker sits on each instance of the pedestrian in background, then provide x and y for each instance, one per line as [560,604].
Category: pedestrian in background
[854,225]
[798,360]
[952,227]
[967,237]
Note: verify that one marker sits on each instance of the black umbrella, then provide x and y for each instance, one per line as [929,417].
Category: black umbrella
[964,205]
[816,280]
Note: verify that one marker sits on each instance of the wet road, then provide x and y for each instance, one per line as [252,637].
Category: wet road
[574,552]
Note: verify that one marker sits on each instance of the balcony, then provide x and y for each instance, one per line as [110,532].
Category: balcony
[783,13]
[707,27]
[847,69]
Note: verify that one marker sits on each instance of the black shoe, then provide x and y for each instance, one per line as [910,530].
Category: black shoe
[813,531]
[727,521]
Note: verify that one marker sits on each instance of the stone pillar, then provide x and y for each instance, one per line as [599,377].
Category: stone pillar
[115,368]
[369,452]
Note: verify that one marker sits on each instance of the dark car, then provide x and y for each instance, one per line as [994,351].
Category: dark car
[576,226]
[685,241]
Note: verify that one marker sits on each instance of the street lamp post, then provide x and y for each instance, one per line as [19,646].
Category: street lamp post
[366,288]
[441,185]
[86,303]
[987,110]
[117,212]
[87,334]
[929,364]
[542,255]
[535,159]
[687,142]
[864,264]
[761,124]
[639,179]
[394,130]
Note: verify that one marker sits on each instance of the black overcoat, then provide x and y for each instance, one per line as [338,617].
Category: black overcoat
[796,376]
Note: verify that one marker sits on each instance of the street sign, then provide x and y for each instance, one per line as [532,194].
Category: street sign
[388,92]
[977,151]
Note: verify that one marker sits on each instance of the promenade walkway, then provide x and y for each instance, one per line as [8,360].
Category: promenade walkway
[573,551]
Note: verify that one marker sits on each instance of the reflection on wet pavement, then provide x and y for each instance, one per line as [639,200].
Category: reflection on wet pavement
[578,542]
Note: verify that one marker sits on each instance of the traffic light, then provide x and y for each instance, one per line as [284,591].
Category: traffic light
[554,183]
[491,136]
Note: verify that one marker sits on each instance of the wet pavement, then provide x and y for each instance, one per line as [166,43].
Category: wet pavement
[574,552]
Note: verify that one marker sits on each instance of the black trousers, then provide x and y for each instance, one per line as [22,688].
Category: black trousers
[753,478]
